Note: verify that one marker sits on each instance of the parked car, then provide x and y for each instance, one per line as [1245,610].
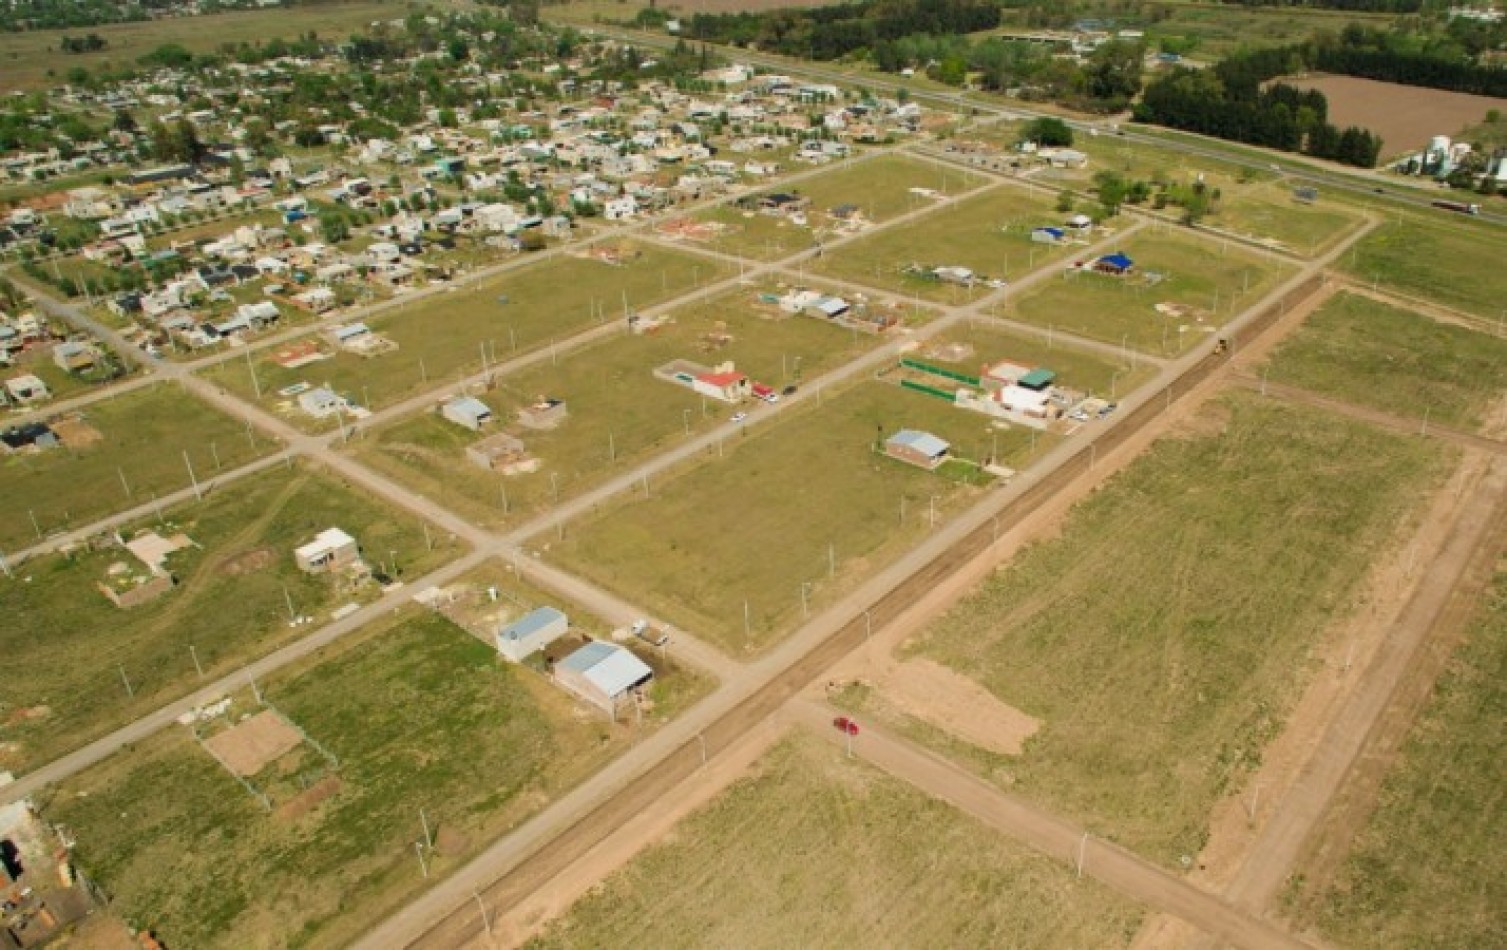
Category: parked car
[739,416]
[845,725]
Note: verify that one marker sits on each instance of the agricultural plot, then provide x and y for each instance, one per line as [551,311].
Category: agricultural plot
[989,236]
[416,714]
[1214,33]
[788,857]
[235,585]
[1430,867]
[877,188]
[1372,354]
[1440,261]
[738,549]
[982,343]
[116,454]
[619,412]
[1198,286]
[443,336]
[1162,636]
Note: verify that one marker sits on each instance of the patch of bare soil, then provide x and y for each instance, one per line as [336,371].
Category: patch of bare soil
[955,704]
[76,433]
[247,747]
[248,562]
[308,799]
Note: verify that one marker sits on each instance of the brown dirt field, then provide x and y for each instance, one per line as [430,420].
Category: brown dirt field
[954,703]
[76,433]
[308,799]
[1405,117]
[248,562]
[247,747]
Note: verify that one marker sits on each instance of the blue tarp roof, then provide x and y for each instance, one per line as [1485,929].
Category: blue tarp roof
[1117,261]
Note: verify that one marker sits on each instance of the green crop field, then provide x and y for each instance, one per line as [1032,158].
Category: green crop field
[1442,261]
[788,856]
[990,234]
[1372,354]
[1430,867]
[765,523]
[620,413]
[230,604]
[1163,635]
[142,438]
[1218,31]
[443,336]
[1076,368]
[1216,279]
[419,714]
[880,186]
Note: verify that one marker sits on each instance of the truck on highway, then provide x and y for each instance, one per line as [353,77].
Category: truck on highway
[1462,207]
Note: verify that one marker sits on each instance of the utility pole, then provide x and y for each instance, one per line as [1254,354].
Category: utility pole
[428,838]
[418,848]
[195,654]
[130,693]
[485,920]
[1082,847]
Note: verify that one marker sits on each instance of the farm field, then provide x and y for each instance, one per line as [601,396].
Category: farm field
[1219,32]
[880,187]
[417,714]
[1076,368]
[140,437]
[1405,363]
[790,855]
[1430,867]
[1440,261]
[31,58]
[1162,636]
[230,604]
[443,336]
[691,552]
[619,412]
[990,235]
[1213,280]
[1405,117]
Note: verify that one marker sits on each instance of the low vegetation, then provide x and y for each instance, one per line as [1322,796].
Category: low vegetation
[1439,261]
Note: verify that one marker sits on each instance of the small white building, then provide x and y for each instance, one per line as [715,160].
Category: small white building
[320,402]
[331,550]
[468,412]
[27,388]
[531,633]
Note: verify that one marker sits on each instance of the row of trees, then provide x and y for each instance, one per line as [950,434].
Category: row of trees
[832,32]
[1410,58]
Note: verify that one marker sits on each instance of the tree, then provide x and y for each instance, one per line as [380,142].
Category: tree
[1048,131]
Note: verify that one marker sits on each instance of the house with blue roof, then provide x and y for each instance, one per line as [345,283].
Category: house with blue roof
[1116,264]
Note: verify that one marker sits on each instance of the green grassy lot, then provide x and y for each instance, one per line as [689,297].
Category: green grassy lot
[144,435]
[788,857]
[1163,635]
[1078,369]
[1216,278]
[759,525]
[991,235]
[441,337]
[620,413]
[229,605]
[1405,363]
[880,186]
[1441,260]
[30,57]
[420,715]
[61,383]
[1430,868]
[1220,31]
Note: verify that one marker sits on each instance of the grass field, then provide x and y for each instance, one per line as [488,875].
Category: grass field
[1214,278]
[1077,369]
[1405,363]
[420,716]
[143,437]
[1430,869]
[442,337]
[33,60]
[880,186]
[1162,636]
[759,526]
[991,235]
[620,413]
[788,857]
[229,605]
[1220,31]
[1442,261]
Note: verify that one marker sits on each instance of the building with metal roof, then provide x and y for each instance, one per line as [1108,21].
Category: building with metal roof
[531,633]
[603,674]
[917,448]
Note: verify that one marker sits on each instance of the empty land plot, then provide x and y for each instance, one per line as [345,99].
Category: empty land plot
[1076,368]
[619,411]
[788,856]
[1404,116]
[1373,354]
[1207,281]
[418,713]
[1449,262]
[1429,869]
[442,336]
[1218,32]
[880,188]
[137,454]
[990,235]
[229,605]
[1163,635]
[788,502]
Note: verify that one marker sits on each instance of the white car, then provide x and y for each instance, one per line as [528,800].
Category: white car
[739,416]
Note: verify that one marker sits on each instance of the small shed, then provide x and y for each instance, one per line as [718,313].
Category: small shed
[546,412]
[531,633]
[1048,235]
[499,452]
[467,412]
[331,550]
[72,357]
[603,675]
[918,448]
[1117,264]
[319,402]
[1037,379]
[27,388]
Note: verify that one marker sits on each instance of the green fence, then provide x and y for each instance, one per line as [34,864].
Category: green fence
[929,390]
[939,371]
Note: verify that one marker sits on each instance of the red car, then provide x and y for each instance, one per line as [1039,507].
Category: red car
[844,724]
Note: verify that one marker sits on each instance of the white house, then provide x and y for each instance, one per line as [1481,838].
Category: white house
[531,633]
[468,412]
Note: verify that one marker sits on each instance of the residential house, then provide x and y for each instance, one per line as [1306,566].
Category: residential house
[532,632]
[918,448]
[331,550]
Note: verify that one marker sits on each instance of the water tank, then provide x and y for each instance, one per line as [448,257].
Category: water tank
[1439,144]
